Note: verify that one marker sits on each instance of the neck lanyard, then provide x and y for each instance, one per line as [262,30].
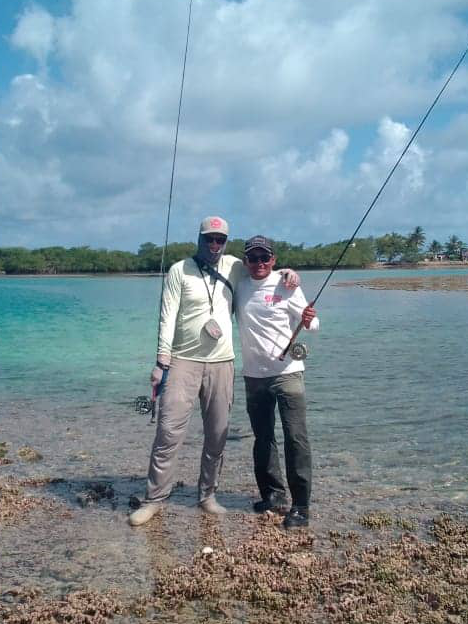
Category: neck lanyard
[210,295]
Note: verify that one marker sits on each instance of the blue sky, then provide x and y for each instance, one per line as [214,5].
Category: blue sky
[16,61]
[293,114]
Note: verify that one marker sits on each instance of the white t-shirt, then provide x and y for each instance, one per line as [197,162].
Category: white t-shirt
[267,314]
[186,308]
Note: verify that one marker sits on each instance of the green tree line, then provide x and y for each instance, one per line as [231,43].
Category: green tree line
[411,248]
[362,253]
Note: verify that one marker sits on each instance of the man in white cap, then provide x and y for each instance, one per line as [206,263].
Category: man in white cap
[195,344]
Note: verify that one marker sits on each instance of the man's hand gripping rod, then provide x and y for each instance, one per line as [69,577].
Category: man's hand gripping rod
[312,303]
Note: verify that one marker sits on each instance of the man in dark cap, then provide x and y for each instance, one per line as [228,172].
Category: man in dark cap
[267,314]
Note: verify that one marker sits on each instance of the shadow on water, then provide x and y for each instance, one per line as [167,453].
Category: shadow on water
[127,492]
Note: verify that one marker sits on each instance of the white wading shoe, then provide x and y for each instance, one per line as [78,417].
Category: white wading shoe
[212,507]
[143,514]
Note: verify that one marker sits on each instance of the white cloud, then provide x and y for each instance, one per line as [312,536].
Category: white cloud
[393,139]
[35,33]
[88,140]
[289,179]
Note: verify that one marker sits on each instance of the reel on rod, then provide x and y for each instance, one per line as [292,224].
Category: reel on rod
[298,351]
[145,405]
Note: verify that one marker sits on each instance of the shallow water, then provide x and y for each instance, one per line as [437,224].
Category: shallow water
[388,407]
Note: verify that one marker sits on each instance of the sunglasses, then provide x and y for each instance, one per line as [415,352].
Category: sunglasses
[220,240]
[259,258]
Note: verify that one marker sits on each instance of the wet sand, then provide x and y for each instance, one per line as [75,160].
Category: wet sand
[373,553]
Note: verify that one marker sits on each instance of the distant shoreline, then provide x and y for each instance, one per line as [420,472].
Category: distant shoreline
[376,266]
[97,275]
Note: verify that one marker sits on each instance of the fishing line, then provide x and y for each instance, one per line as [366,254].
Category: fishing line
[300,349]
[143,404]
[174,155]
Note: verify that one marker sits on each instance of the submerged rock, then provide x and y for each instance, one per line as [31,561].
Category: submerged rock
[95,492]
[29,454]
[376,520]
[15,505]
[4,461]
[134,502]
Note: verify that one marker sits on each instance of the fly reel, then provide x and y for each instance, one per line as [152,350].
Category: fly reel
[298,351]
[143,405]
[146,405]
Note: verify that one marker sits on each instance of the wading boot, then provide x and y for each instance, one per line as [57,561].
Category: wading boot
[276,502]
[211,506]
[143,514]
[296,518]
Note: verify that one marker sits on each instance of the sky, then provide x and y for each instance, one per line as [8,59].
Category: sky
[293,114]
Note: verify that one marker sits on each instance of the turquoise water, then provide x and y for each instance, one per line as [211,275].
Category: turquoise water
[386,379]
[83,339]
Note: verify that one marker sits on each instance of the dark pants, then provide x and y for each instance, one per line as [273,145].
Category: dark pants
[262,395]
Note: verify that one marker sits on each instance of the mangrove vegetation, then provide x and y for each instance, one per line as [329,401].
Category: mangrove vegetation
[364,252]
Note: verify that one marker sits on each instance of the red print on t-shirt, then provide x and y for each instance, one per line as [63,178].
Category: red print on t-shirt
[273,298]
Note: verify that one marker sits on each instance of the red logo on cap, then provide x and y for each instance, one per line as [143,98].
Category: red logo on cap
[216,223]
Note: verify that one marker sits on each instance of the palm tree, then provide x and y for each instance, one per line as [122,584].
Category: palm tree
[435,248]
[417,238]
[453,246]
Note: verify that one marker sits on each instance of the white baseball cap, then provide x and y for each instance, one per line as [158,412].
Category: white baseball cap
[214,225]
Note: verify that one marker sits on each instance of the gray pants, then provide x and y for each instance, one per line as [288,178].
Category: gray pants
[187,380]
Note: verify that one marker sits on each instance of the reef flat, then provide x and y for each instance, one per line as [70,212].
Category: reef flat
[419,282]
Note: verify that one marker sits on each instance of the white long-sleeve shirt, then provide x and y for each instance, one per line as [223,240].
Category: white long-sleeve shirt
[267,314]
[186,308]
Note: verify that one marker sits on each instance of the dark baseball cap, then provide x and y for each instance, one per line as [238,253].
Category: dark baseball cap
[259,242]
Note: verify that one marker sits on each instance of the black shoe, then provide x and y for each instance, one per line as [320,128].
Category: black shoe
[296,518]
[275,502]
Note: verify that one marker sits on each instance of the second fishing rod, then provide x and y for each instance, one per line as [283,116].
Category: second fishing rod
[298,350]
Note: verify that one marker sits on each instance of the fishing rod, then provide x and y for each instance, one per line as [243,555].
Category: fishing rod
[143,404]
[298,350]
